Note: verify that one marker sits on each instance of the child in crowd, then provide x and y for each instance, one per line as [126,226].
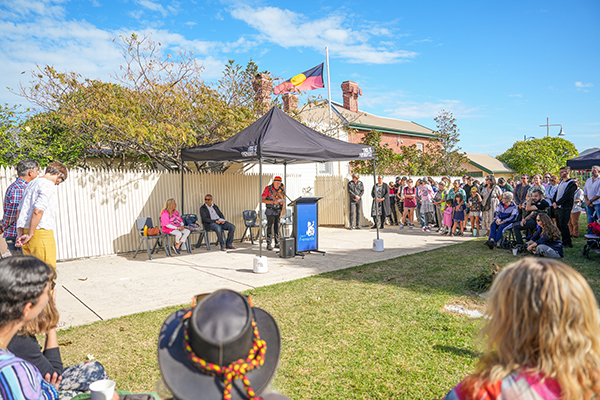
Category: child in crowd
[448,217]
[459,215]
[410,203]
[474,209]
[439,201]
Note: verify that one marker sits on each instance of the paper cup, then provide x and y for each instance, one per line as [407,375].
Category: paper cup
[103,390]
[515,251]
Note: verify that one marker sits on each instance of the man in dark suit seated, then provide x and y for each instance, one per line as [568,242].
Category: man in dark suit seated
[214,220]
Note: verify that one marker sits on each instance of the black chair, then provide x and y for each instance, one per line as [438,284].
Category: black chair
[190,221]
[250,221]
[140,223]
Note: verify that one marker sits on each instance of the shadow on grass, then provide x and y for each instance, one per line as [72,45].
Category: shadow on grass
[447,268]
[457,351]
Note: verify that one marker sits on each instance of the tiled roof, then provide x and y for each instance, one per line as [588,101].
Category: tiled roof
[488,163]
[364,120]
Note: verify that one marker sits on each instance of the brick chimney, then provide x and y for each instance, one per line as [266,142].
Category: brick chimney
[351,92]
[290,101]
[263,86]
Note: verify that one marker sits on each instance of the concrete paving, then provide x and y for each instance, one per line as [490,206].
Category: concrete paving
[101,288]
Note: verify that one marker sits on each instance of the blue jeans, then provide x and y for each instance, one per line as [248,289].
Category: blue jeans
[219,228]
[546,251]
[590,214]
[496,231]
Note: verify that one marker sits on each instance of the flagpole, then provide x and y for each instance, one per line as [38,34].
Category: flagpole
[328,84]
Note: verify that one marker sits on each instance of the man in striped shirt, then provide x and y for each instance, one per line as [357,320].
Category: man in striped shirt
[27,170]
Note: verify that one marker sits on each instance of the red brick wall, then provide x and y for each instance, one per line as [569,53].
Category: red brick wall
[391,139]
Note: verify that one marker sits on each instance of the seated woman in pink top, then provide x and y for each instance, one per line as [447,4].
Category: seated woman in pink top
[172,224]
[542,338]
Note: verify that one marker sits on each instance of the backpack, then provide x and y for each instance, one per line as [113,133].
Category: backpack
[189,219]
[595,227]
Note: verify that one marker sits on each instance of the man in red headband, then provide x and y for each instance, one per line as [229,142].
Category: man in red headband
[274,198]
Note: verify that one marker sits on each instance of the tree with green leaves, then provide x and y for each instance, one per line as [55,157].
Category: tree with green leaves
[444,155]
[153,108]
[40,137]
[412,161]
[9,127]
[539,156]
[386,159]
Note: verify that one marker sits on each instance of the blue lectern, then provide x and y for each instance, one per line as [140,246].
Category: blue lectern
[306,224]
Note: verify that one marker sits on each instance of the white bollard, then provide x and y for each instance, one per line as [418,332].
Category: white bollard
[377,244]
[260,265]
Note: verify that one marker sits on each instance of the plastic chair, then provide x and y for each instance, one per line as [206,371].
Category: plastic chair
[250,221]
[140,223]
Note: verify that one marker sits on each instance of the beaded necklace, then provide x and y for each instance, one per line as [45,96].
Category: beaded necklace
[235,370]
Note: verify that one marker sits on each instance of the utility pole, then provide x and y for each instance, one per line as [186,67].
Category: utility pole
[548,125]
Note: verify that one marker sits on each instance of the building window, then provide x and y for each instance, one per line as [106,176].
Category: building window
[325,168]
[420,146]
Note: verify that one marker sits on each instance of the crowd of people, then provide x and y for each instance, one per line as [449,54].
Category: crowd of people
[542,334]
[491,208]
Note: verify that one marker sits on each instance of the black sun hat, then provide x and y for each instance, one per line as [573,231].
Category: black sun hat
[223,348]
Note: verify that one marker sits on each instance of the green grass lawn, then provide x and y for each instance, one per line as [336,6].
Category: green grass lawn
[377,331]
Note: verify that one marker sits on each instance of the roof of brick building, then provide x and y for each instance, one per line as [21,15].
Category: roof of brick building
[489,164]
[363,120]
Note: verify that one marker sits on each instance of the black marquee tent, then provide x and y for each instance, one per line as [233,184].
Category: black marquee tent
[278,139]
[585,162]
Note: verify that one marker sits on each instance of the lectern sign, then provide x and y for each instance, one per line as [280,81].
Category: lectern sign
[307,227]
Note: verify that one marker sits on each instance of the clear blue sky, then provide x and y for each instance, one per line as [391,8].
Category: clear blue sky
[500,67]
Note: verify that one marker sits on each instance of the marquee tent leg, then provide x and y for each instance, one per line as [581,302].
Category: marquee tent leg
[260,184]
[376,205]
[181,208]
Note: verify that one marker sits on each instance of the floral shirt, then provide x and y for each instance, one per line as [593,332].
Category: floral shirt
[475,203]
[167,220]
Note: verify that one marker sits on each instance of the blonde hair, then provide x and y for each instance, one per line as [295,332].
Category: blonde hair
[169,206]
[543,319]
[47,319]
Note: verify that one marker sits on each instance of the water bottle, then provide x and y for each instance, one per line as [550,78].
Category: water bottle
[145,230]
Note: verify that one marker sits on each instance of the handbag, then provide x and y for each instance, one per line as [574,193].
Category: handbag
[488,203]
[153,231]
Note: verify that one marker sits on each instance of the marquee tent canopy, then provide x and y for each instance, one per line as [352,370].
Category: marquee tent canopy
[278,138]
[585,162]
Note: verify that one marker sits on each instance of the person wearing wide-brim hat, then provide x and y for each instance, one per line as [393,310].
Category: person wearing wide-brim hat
[223,348]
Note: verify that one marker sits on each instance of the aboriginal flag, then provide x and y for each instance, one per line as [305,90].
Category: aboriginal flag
[308,80]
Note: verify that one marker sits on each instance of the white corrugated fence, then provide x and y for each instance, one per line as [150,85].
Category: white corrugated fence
[97,209]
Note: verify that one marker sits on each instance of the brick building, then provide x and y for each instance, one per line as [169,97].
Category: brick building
[395,132]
